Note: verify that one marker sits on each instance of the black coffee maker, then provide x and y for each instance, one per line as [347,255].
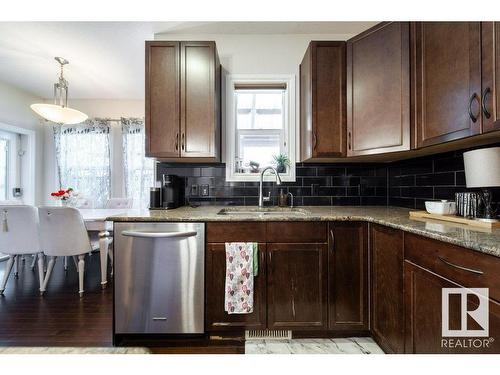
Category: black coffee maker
[172,191]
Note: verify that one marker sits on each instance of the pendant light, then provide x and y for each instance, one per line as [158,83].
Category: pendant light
[59,112]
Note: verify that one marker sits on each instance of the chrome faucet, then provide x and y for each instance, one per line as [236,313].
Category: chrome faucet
[263,199]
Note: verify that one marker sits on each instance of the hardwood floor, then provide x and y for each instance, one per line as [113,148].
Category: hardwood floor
[60,317]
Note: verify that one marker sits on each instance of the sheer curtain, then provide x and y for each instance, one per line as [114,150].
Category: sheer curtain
[83,159]
[137,169]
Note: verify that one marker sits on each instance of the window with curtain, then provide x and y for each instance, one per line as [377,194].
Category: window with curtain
[138,170]
[83,159]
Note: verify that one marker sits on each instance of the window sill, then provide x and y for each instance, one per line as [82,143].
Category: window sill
[255,177]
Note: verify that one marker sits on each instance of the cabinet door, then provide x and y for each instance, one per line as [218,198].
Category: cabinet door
[216,318]
[447,81]
[297,286]
[348,276]
[490,75]
[200,77]
[423,294]
[378,90]
[322,93]
[162,99]
[387,302]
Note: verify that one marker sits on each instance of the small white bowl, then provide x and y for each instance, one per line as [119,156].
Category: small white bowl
[443,207]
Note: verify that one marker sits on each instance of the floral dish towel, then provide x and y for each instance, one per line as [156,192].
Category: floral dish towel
[239,277]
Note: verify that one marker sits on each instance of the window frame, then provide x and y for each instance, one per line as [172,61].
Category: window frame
[8,166]
[289,123]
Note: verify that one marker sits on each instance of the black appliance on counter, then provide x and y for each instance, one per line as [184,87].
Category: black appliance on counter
[172,191]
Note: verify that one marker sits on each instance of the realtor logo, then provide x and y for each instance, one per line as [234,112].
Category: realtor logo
[469,315]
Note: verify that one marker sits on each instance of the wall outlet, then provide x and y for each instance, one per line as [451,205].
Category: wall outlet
[204,190]
[194,191]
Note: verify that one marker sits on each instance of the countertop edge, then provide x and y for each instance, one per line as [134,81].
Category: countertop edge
[472,245]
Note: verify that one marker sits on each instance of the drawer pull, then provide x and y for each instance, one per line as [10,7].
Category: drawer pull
[332,236]
[460,267]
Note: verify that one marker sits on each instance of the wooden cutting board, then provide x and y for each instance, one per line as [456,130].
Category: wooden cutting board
[454,219]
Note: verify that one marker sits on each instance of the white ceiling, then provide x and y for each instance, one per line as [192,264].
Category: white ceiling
[107,58]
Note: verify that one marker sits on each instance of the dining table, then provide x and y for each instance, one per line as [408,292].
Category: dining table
[95,222]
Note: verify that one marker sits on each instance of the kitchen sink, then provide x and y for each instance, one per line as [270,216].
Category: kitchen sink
[268,211]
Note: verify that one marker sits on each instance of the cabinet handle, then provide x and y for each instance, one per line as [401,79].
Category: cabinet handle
[460,267]
[349,143]
[486,113]
[314,141]
[182,141]
[332,236]
[471,115]
[176,141]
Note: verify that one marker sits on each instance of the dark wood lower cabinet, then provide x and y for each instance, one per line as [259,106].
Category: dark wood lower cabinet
[387,303]
[297,286]
[216,318]
[423,293]
[348,276]
[365,278]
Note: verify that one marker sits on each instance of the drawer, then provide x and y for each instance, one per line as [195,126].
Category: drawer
[236,232]
[465,267]
[297,232]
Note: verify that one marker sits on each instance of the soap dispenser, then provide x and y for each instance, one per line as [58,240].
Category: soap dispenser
[282,199]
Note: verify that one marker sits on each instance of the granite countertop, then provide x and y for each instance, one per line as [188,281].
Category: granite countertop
[482,240]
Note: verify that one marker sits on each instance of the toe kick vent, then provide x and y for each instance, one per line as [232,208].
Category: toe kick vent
[268,334]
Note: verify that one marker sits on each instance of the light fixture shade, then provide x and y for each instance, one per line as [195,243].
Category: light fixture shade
[59,114]
[482,167]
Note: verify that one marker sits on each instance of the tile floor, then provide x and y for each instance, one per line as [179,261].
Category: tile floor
[71,350]
[353,345]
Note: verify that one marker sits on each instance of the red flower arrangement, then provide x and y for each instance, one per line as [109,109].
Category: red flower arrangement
[62,194]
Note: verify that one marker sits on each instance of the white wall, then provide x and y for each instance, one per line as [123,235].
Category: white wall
[94,108]
[259,54]
[15,111]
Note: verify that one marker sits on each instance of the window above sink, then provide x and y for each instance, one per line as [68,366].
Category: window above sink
[260,125]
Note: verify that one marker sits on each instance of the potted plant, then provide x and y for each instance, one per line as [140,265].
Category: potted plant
[282,162]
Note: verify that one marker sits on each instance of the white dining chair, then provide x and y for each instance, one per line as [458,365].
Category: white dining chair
[63,234]
[18,236]
[120,203]
[84,203]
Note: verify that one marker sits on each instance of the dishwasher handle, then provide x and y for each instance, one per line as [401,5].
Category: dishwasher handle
[149,234]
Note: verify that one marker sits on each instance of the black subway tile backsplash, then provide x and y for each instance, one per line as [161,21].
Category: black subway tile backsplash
[407,183]
[412,182]
[316,184]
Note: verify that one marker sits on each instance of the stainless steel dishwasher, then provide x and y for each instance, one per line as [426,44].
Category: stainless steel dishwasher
[159,277]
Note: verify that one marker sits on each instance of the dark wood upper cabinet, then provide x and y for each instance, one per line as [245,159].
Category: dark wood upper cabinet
[183,101]
[490,75]
[297,286]
[447,81]
[378,90]
[162,99]
[200,91]
[348,276]
[216,318]
[387,298]
[322,101]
